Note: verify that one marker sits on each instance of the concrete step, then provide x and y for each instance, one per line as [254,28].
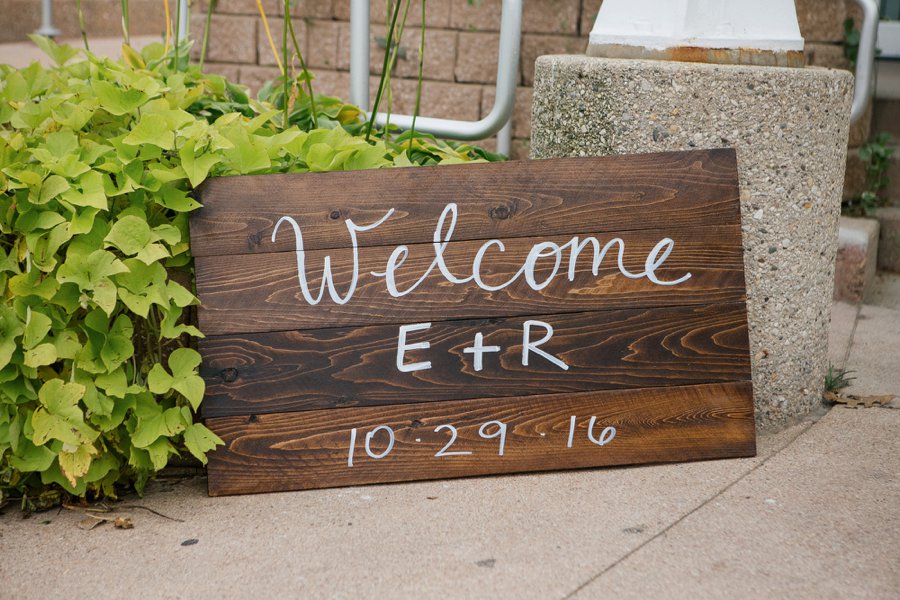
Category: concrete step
[889,243]
[884,291]
[892,191]
[873,351]
[856,258]
[886,117]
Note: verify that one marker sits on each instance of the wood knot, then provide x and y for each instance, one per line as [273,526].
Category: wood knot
[229,375]
[252,419]
[500,212]
[254,240]
[334,215]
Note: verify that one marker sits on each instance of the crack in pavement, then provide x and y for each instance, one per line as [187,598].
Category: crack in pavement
[815,419]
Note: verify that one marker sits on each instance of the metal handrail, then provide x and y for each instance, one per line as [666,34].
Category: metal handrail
[507,71]
[865,59]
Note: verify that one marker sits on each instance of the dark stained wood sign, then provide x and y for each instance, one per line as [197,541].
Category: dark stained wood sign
[403,324]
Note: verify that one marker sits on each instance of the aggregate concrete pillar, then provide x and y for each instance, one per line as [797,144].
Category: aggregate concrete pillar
[789,127]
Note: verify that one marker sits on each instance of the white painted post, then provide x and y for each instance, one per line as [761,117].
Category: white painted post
[664,24]
[184,22]
[47,27]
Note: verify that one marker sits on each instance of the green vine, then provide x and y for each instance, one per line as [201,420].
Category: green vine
[876,157]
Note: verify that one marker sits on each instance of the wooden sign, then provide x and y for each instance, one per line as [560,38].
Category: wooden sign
[402,324]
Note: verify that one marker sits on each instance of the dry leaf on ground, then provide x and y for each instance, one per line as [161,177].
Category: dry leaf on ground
[91,523]
[853,401]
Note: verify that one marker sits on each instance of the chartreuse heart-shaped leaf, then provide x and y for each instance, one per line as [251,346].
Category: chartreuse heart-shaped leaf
[59,417]
[199,440]
[99,160]
[60,54]
[183,364]
[153,421]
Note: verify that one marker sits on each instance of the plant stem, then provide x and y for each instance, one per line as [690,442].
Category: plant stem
[125,33]
[265,22]
[394,46]
[81,25]
[412,129]
[284,54]
[177,32]
[168,26]
[205,44]
[384,71]
[312,98]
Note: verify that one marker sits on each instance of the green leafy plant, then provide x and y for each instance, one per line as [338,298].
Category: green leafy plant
[876,156]
[98,160]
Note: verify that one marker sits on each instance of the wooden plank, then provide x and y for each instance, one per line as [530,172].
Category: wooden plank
[500,200]
[308,392]
[326,368]
[258,293]
[294,451]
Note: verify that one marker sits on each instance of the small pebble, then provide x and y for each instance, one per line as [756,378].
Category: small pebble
[190,542]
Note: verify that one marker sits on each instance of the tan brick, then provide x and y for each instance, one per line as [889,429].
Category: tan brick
[520,149]
[240,7]
[228,71]
[103,18]
[315,9]
[437,12]
[322,43]
[830,56]
[821,20]
[534,45]
[255,77]
[521,117]
[439,99]
[440,52]
[538,16]
[854,11]
[476,57]
[332,83]
[480,16]
[887,117]
[589,10]
[264,49]
[889,244]
[232,39]
[551,16]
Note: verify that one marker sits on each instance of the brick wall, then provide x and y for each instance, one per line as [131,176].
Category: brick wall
[103,18]
[822,26]
[461,41]
[460,56]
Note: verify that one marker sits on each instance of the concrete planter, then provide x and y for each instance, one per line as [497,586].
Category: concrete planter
[790,129]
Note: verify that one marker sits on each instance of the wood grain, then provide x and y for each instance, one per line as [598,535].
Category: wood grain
[499,200]
[288,381]
[303,370]
[294,451]
[256,293]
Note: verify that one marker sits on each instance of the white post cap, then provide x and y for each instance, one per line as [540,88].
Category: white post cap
[742,31]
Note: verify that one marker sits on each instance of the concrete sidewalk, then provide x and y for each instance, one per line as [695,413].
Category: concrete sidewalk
[814,515]
[22,54]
